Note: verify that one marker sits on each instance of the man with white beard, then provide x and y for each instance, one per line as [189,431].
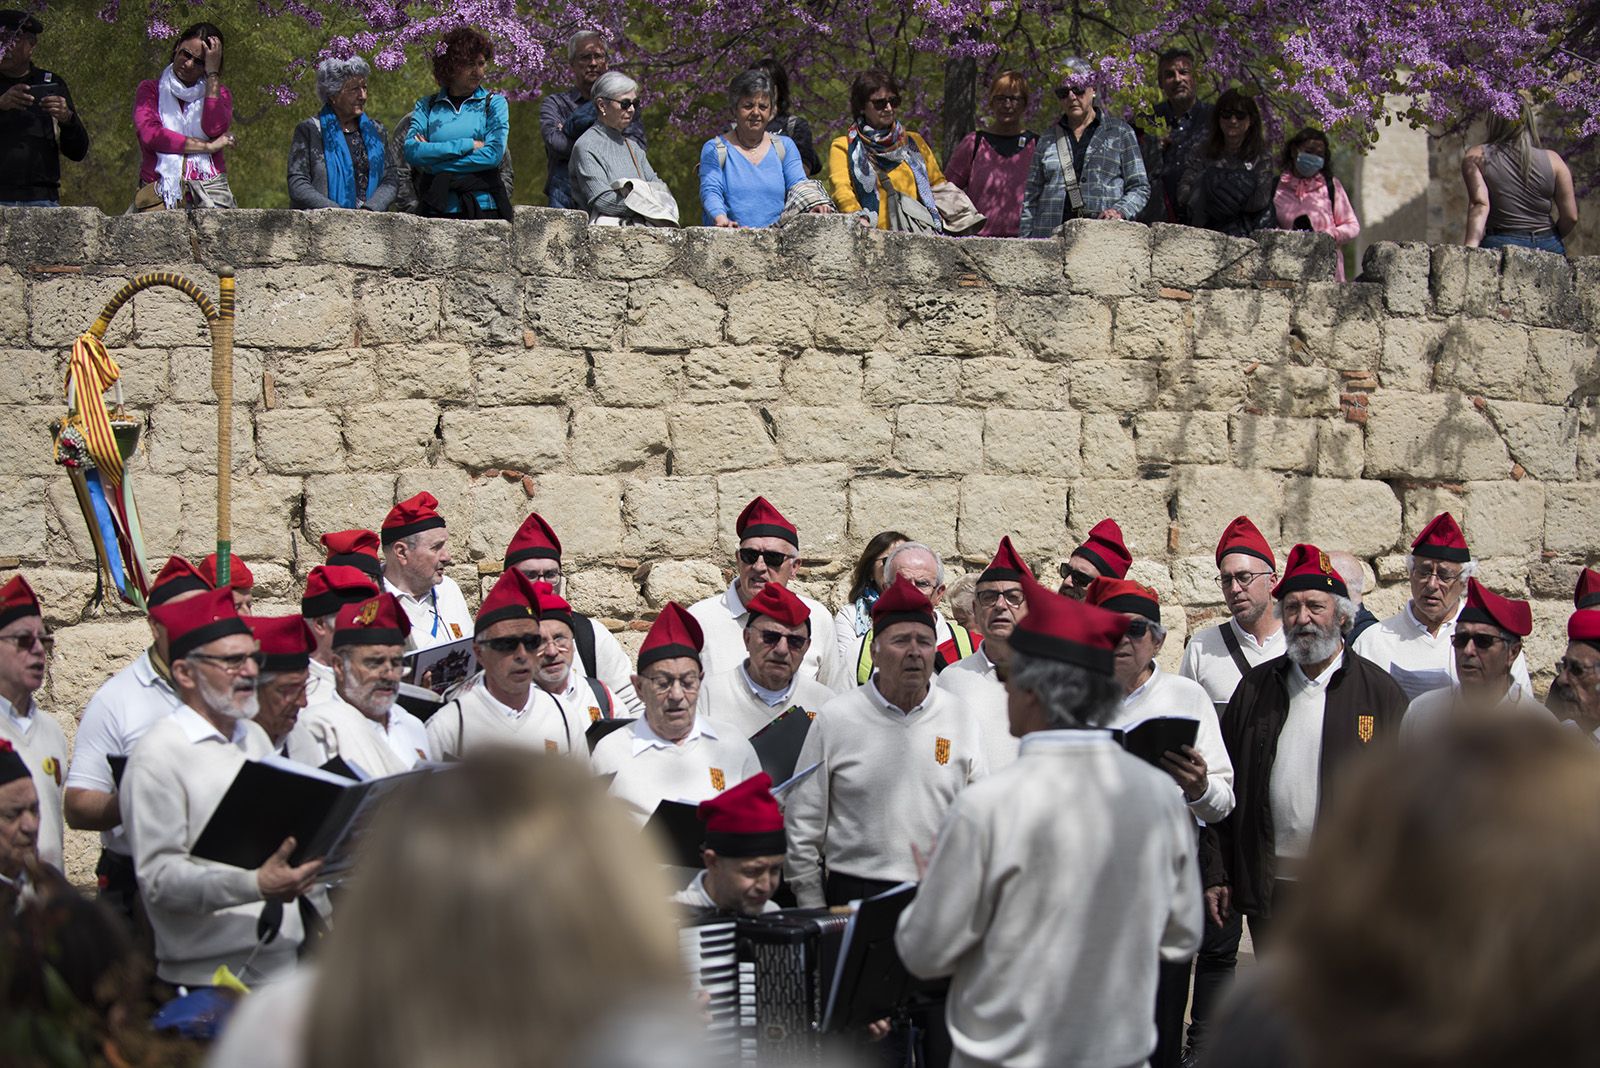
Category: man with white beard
[1290,728]
[204,914]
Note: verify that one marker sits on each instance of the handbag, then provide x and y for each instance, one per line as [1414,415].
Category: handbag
[961,216]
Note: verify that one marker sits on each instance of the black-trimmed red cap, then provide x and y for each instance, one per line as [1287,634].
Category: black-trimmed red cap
[330,587]
[1242,536]
[534,540]
[1442,539]
[512,597]
[12,767]
[239,576]
[779,604]
[1105,549]
[745,820]
[1059,628]
[413,515]
[674,633]
[177,577]
[552,605]
[1124,595]
[17,601]
[1007,565]
[1308,568]
[1584,625]
[198,621]
[377,621]
[354,548]
[761,520]
[286,642]
[1485,606]
[1586,594]
[901,603]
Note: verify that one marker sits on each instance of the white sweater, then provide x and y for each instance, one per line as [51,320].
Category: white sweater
[1174,695]
[476,719]
[1417,659]
[722,618]
[1434,709]
[648,769]
[973,681]
[42,746]
[886,780]
[728,698]
[203,913]
[338,729]
[1206,659]
[1057,886]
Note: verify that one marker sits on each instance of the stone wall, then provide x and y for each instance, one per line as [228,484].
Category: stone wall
[637,387]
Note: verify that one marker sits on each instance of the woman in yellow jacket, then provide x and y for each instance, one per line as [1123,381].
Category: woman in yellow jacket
[881,167]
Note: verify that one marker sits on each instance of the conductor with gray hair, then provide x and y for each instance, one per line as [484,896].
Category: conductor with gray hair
[563,117]
[342,157]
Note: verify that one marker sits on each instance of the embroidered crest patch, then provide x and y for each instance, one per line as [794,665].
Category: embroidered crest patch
[594,714]
[52,768]
[1364,726]
[941,750]
[369,612]
[455,628]
[718,781]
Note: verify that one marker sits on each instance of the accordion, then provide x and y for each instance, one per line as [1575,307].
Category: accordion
[768,979]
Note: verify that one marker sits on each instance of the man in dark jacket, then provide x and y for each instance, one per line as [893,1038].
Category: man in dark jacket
[38,123]
[1291,727]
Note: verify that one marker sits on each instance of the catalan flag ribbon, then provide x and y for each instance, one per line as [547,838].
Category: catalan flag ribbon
[92,372]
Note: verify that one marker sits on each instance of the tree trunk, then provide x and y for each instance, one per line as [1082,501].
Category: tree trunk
[960,102]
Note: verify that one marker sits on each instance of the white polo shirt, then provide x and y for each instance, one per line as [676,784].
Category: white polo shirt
[647,769]
[438,617]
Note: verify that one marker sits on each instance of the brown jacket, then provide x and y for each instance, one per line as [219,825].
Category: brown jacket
[1364,706]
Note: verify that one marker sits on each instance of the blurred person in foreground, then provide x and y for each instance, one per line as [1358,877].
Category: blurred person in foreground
[1401,950]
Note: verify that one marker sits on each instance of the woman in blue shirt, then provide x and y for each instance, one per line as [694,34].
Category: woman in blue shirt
[457,136]
[746,174]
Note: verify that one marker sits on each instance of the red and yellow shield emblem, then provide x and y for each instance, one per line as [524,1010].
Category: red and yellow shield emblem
[1364,726]
[369,612]
[594,714]
[718,780]
[551,747]
[941,750]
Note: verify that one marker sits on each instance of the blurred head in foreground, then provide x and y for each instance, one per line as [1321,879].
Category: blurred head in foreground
[505,913]
[1446,915]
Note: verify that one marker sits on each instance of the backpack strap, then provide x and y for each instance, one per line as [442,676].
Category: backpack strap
[602,697]
[583,638]
[1231,640]
[1069,176]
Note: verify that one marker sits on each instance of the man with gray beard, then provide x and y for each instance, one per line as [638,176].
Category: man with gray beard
[1291,726]
[204,914]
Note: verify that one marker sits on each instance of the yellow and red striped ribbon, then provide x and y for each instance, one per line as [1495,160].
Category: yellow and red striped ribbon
[92,372]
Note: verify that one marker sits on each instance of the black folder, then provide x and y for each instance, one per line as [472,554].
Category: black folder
[677,827]
[602,727]
[418,701]
[269,802]
[777,745]
[1154,737]
[870,981]
[119,764]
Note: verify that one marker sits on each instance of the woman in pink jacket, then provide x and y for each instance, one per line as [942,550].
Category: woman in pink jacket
[182,120]
[1309,197]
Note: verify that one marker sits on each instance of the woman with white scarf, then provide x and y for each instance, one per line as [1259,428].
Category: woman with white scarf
[182,120]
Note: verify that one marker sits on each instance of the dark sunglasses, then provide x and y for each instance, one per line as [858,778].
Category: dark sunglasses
[1245,115]
[508,645]
[1482,641]
[771,638]
[885,102]
[627,105]
[1138,628]
[1075,89]
[1077,578]
[773,557]
[26,642]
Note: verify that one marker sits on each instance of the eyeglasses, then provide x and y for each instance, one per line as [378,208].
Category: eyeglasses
[1443,576]
[771,638]
[989,598]
[882,102]
[1241,579]
[1076,89]
[663,684]
[774,558]
[552,577]
[626,105]
[1482,641]
[1138,628]
[1233,116]
[1574,669]
[26,642]
[1008,98]
[1080,579]
[922,585]
[233,665]
[512,642]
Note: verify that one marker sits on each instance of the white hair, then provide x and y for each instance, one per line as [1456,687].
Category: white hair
[613,85]
[332,73]
[577,40]
[1468,569]
[912,546]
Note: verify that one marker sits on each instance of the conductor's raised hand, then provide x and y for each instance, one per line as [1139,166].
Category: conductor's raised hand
[281,881]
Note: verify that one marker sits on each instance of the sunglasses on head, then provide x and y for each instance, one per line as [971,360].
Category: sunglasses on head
[773,557]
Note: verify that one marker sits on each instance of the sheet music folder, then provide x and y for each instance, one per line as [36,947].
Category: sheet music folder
[1153,737]
[271,800]
[678,828]
[870,981]
[777,745]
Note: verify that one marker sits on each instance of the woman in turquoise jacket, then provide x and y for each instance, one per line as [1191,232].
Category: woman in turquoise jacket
[456,137]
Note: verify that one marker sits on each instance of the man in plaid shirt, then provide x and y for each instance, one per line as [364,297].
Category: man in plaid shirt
[1104,155]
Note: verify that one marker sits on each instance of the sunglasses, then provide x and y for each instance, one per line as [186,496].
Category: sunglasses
[1138,628]
[771,638]
[882,102]
[989,598]
[1076,89]
[26,642]
[1482,641]
[773,557]
[626,105]
[1239,116]
[1077,578]
[508,645]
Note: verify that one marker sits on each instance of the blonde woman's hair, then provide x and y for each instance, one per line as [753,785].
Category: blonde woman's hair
[1446,915]
[1521,132]
[502,911]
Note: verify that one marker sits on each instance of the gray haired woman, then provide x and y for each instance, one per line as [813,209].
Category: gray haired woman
[611,176]
[342,158]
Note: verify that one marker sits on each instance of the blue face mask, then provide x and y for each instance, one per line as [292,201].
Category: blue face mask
[1307,164]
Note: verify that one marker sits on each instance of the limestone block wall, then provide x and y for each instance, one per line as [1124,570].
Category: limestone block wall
[637,387]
